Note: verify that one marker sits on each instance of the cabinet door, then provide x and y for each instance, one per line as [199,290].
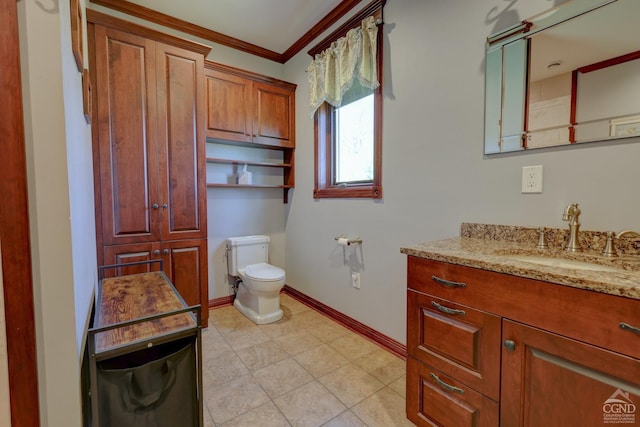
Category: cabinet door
[186,266]
[274,115]
[126,99]
[549,380]
[435,399]
[459,341]
[121,254]
[228,107]
[180,107]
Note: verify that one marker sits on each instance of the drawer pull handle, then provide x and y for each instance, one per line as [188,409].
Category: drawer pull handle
[447,310]
[446,386]
[628,327]
[448,283]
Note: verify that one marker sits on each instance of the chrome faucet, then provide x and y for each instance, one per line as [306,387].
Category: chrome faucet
[609,249]
[571,214]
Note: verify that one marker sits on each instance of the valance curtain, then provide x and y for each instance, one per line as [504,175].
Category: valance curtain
[332,71]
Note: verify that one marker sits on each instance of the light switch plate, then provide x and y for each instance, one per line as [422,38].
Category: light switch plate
[532,179]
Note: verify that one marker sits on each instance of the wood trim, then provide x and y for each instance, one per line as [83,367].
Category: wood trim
[388,343]
[610,62]
[14,229]
[227,69]
[375,7]
[187,27]
[109,21]
[325,23]
[572,112]
[221,302]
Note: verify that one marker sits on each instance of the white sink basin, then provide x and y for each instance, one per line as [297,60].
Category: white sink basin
[562,263]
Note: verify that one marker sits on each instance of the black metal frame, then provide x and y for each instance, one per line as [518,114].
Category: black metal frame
[94,357]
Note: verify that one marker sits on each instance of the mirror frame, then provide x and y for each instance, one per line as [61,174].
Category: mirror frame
[511,41]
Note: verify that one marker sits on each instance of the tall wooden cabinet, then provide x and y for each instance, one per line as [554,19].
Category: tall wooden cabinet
[149,151]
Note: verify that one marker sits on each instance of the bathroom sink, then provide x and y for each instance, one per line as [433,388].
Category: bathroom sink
[562,263]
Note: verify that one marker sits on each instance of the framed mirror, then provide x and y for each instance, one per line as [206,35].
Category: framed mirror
[567,76]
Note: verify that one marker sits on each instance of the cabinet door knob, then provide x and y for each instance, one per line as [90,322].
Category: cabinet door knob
[165,251]
[154,206]
[510,345]
[156,252]
[165,206]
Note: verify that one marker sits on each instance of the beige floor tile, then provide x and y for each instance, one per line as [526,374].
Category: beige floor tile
[206,417]
[282,327]
[222,369]
[231,323]
[346,419]
[309,319]
[321,360]
[297,342]
[282,377]
[292,306]
[383,409]
[234,398]
[350,384]
[267,415]
[329,331]
[226,311]
[261,355]
[400,386]
[213,344]
[353,346]
[245,338]
[384,366]
[309,406]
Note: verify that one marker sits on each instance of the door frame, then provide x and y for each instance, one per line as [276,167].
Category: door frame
[14,231]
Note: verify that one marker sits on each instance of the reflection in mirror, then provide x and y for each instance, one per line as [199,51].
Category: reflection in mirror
[582,82]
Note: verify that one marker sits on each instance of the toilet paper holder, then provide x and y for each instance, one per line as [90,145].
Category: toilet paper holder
[342,240]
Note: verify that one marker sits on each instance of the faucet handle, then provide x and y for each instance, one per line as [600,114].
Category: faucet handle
[609,248]
[542,242]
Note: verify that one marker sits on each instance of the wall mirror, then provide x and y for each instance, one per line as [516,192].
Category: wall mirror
[566,76]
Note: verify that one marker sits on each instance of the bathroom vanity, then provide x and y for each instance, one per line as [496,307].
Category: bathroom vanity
[494,340]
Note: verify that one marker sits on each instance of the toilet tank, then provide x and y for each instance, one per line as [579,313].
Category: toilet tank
[246,250]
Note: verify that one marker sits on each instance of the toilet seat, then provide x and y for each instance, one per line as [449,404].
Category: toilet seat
[264,272]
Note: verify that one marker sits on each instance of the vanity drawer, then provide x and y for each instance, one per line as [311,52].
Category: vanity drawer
[461,342]
[584,315]
[435,399]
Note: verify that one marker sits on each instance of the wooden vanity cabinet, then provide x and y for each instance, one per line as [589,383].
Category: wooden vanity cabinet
[149,147]
[250,108]
[555,353]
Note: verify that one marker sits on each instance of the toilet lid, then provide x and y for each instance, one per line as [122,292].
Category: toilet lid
[264,271]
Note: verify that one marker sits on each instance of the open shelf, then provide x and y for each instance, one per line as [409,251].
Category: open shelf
[220,185]
[250,163]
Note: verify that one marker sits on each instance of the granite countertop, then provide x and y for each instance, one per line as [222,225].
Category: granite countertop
[491,247]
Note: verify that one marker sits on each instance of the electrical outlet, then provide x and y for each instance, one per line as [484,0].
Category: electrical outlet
[355,280]
[532,179]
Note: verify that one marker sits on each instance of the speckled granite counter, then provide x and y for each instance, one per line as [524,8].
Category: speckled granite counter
[489,247]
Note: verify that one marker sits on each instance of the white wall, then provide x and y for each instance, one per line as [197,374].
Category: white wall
[59,168]
[434,173]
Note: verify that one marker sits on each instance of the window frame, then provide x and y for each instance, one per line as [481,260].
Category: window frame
[325,132]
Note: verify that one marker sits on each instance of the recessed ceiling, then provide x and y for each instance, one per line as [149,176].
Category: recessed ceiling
[273,24]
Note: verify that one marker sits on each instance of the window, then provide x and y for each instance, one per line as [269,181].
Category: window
[348,134]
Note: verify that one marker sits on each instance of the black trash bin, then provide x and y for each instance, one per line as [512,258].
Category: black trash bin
[154,387]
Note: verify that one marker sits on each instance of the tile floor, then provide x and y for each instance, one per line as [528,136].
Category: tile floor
[305,370]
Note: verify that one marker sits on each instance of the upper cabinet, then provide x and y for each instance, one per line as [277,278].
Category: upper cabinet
[247,107]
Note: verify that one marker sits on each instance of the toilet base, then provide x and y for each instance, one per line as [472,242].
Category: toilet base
[260,319]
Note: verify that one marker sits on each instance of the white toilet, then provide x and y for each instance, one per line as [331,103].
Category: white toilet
[258,295]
